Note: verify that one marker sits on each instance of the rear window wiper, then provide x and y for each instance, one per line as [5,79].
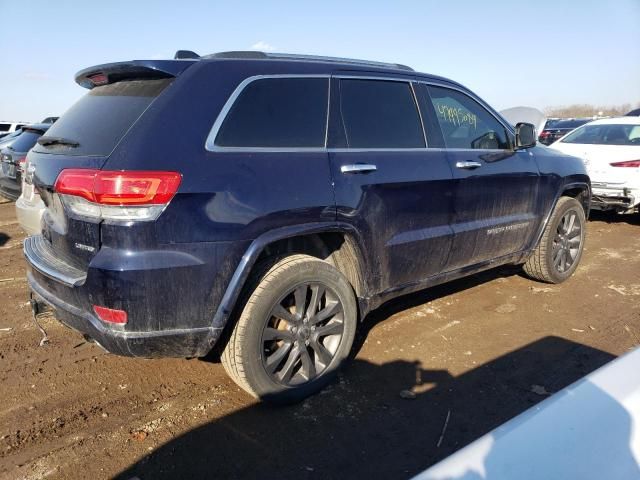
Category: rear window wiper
[47,141]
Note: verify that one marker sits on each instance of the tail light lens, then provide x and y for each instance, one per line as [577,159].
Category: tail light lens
[628,163]
[117,195]
[21,163]
[110,315]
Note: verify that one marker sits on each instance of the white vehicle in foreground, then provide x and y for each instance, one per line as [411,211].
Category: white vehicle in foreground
[610,149]
[588,431]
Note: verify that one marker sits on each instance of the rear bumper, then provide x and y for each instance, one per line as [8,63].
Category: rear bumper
[29,216]
[170,295]
[8,190]
[187,342]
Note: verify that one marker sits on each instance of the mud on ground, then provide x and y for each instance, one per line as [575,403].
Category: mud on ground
[483,349]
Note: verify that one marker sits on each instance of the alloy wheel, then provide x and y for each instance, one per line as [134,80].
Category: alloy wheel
[302,334]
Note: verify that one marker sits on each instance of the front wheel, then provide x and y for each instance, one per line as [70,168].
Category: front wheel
[294,331]
[560,248]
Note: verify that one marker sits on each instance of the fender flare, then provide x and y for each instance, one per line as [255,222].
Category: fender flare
[567,186]
[243,270]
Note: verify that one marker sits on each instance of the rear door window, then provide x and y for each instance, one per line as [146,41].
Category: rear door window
[4,127]
[380,114]
[465,123]
[100,119]
[278,113]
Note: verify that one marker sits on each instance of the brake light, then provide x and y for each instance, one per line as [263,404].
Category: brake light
[98,79]
[110,315]
[118,195]
[119,188]
[628,163]
[21,163]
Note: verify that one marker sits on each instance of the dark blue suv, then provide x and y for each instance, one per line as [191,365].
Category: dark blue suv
[265,203]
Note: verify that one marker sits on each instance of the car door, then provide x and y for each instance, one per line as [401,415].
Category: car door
[496,187]
[388,185]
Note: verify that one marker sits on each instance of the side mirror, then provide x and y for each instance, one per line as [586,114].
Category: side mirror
[525,135]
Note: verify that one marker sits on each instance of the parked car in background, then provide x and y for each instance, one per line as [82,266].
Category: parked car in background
[29,205]
[560,128]
[9,127]
[13,158]
[6,140]
[50,120]
[308,192]
[610,149]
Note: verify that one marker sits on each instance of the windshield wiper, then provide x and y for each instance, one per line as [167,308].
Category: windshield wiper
[47,141]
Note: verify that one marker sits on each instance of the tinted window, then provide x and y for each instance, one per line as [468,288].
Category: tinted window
[278,113]
[4,127]
[605,135]
[99,120]
[465,123]
[25,141]
[380,114]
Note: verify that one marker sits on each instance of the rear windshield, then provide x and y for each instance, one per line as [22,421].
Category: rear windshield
[606,134]
[25,141]
[99,120]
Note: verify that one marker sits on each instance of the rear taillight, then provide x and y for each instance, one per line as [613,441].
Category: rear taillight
[21,164]
[628,163]
[117,195]
[110,315]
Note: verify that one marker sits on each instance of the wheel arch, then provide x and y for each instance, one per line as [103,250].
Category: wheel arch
[580,190]
[336,243]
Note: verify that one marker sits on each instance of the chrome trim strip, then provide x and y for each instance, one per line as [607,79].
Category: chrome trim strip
[210,144]
[343,149]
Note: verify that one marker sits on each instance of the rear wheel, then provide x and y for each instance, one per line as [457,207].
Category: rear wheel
[294,331]
[560,249]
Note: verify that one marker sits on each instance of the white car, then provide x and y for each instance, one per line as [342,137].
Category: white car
[587,431]
[610,150]
[9,127]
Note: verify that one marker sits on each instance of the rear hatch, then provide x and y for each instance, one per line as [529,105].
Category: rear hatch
[84,138]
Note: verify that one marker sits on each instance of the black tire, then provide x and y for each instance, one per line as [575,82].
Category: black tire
[560,249]
[286,357]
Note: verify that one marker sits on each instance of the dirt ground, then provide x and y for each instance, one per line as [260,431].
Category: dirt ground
[482,350]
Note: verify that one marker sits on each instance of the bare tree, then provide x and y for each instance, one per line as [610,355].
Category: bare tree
[585,110]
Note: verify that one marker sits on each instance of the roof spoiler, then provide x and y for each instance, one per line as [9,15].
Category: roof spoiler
[186,54]
[133,70]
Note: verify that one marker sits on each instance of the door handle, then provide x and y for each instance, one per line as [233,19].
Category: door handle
[358,168]
[468,165]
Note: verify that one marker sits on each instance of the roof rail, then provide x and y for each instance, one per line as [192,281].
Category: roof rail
[251,54]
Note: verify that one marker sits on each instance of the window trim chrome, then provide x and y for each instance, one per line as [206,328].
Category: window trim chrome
[410,79]
[210,144]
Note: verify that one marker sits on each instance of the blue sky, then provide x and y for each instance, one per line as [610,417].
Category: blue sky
[537,53]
